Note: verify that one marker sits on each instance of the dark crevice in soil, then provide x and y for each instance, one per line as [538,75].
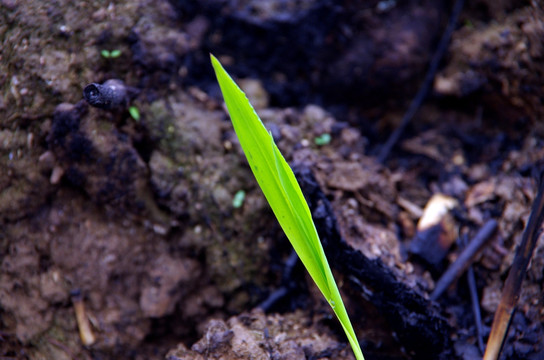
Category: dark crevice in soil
[324,50]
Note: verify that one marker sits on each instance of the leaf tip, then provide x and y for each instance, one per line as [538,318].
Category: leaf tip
[215,62]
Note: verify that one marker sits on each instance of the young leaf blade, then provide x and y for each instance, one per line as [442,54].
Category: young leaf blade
[283,193]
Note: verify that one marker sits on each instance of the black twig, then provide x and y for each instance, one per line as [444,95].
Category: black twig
[476,308]
[292,260]
[471,279]
[273,298]
[426,85]
[286,284]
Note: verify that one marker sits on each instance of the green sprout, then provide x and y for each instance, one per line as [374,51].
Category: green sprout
[283,193]
[134,112]
[238,199]
[322,139]
[110,54]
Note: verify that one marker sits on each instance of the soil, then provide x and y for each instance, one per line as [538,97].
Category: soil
[119,237]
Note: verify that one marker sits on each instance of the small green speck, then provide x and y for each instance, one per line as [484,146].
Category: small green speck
[115,53]
[105,53]
[134,112]
[323,139]
[238,199]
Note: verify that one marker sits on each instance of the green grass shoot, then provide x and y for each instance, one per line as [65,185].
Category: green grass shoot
[134,113]
[238,199]
[283,193]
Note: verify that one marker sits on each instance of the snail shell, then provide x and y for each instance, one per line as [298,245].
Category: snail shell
[112,94]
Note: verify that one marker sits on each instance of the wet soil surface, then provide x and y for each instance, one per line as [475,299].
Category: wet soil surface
[119,235]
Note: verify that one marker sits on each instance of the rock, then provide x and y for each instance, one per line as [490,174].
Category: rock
[257,336]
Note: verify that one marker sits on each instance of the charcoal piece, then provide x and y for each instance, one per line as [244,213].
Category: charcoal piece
[112,94]
[414,319]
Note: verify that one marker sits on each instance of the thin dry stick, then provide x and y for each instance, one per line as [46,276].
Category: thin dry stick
[465,258]
[426,85]
[512,286]
[85,332]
